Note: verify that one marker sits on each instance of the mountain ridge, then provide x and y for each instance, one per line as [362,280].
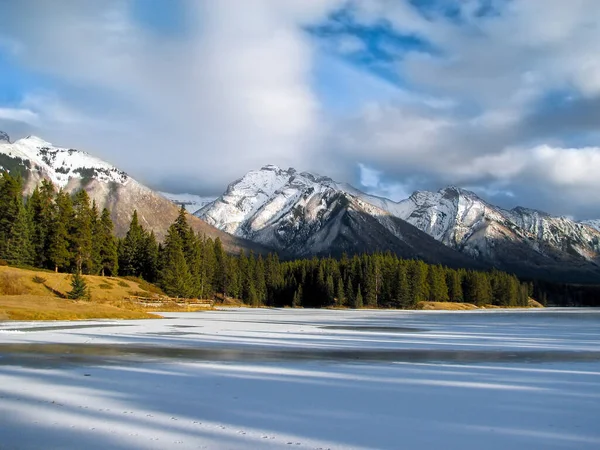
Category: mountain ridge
[70,169]
[266,204]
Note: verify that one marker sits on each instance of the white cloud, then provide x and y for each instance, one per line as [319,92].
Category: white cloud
[237,92]
[239,87]
[19,115]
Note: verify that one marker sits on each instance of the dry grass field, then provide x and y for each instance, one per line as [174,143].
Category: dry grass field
[39,295]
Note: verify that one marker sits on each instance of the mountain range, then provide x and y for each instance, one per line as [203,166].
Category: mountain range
[69,169]
[307,214]
[301,214]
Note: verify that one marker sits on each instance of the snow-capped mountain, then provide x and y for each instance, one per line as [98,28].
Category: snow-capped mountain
[305,213]
[190,202]
[524,240]
[72,170]
[62,164]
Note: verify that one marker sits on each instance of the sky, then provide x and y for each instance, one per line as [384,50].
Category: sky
[501,97]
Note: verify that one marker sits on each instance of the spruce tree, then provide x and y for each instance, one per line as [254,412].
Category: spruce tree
[59,252]
[403,297]
[15,226]
[148,256]
[80,233]
[340,296]
[40,209]
[358,301]
[174,277]
[79,288]
[107,245]
[220,271]
[131,249]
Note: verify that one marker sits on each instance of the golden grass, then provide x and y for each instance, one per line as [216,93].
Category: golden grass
[451,306]
[34,307]
[445,306]
[531,303]
[24,297]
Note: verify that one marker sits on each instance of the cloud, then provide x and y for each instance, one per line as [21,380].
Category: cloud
[233,95]
[18,115]
[502,97]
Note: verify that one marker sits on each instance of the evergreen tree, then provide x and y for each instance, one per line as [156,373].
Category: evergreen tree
[403,293]
[96,243]
[340,296]
[455,292]
[40,208]
[59,251]
[107,245]
[15,226]
[131,249]
[174,277]
[330,290]
[259,280]
[349,292]
[438,289]
[80,233]
[220,272]
[79,289]
[358,301]
[298,298]
[149,254]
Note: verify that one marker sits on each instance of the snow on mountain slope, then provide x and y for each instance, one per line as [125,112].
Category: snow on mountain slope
[111,188]
[61,164]
[530,242]
[594,223]
[308,213]
[261,197]
[190,202]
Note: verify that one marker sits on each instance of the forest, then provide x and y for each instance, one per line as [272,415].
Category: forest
[53,230]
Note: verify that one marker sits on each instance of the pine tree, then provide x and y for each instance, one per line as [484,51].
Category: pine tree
[330,290]
[259,280]
[107,245]
[130,249]
[59,252]
[298,298]
[455,292]
[40,208]
[403,297]
[174,277]
[80,233]
[349,292]
[438,289]
[15,226]
[358,301]
[220,272]
[79,288]
[340,294]
[149,254]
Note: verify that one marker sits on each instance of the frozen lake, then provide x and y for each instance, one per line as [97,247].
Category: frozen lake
[273,378]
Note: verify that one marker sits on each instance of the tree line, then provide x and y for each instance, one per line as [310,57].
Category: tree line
[191,265]
[54,230]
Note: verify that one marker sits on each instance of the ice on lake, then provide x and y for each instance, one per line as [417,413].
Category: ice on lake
[281,378]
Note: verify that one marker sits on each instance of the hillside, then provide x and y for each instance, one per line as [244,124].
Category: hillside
[39,295]
[72,170]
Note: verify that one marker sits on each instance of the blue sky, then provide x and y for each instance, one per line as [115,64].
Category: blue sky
[499,96]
